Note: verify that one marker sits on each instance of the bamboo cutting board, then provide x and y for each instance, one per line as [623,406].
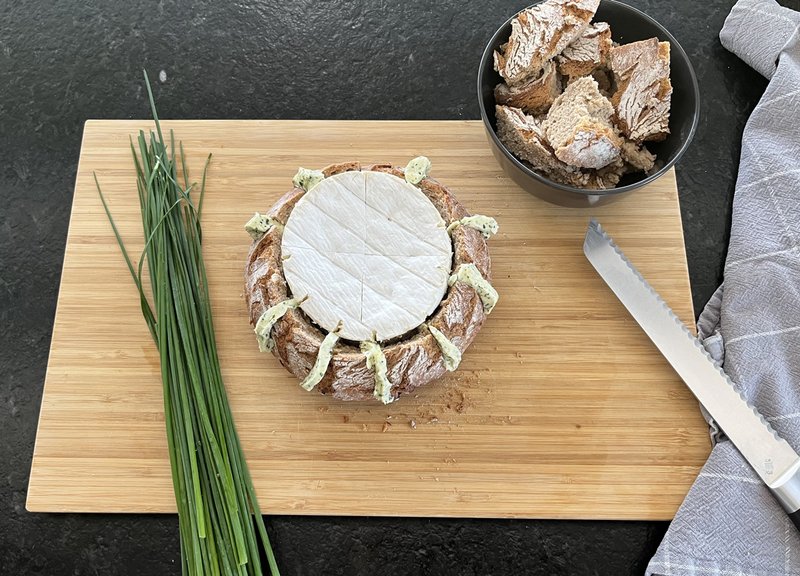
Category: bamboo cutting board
[562,408]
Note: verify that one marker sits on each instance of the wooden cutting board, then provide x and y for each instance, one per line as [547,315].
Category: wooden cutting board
[561,408]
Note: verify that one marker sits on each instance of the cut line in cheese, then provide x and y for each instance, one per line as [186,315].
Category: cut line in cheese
[369,250]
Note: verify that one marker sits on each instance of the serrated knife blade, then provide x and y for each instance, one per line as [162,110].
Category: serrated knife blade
[770,456]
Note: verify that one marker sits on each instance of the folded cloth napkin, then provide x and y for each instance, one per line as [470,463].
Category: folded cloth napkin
[729,524]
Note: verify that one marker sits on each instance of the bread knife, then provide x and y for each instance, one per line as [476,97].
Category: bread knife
[768,454]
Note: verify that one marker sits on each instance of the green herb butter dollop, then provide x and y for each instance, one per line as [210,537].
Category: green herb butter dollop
[417,169]
[259,225]
[268,320]
[486,225]
[450,352]
[376,362]
[470,275]
[323,359]
[307,179]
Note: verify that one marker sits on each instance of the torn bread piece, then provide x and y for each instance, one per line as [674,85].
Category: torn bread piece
[632,158]
[538,34]
[533,97]
[607,176]
[644,91]
[579,128]
[588,52]
[637,156]
[604,81]
[524,137]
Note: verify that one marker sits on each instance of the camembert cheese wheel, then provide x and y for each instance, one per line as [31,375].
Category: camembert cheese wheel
[368,252]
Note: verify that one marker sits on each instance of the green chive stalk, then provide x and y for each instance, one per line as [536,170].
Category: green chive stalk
[221,528]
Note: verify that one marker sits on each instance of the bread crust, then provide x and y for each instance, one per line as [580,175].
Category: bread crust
[644,91]
[534,97]
[524,137]
[539,33]
[638,157]
[414,359]
[579,126]
[587,53]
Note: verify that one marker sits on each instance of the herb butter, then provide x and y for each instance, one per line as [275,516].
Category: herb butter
[450,352]
[486,225]
[376,362]
[323,359]
[471,276]
[268,320]
[417,169]
[307,179]
[259,225]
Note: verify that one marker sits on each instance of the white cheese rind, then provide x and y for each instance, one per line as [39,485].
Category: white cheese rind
[370,251]
[332,285]
[401,292]
[401,221]
[326,218]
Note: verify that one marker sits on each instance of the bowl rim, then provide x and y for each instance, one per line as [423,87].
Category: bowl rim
[674,44]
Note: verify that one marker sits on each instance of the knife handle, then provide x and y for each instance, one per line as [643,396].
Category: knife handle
[787,491]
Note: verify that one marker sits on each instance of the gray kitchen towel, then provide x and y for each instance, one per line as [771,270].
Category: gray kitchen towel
[729,524]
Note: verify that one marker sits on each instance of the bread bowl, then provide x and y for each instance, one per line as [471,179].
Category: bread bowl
[302,279]
[628,25]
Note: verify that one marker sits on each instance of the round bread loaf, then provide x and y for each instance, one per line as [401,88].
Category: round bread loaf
[412,359]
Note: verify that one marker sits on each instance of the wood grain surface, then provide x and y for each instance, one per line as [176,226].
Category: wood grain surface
[561,408]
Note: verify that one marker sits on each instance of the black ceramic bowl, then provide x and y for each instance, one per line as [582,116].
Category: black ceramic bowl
[627,25]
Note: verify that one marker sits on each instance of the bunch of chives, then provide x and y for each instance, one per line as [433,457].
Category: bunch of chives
[221,528]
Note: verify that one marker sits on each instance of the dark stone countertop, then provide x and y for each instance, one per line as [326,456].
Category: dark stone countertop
[64,62]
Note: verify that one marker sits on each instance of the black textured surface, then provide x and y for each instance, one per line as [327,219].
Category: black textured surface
[64,62]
